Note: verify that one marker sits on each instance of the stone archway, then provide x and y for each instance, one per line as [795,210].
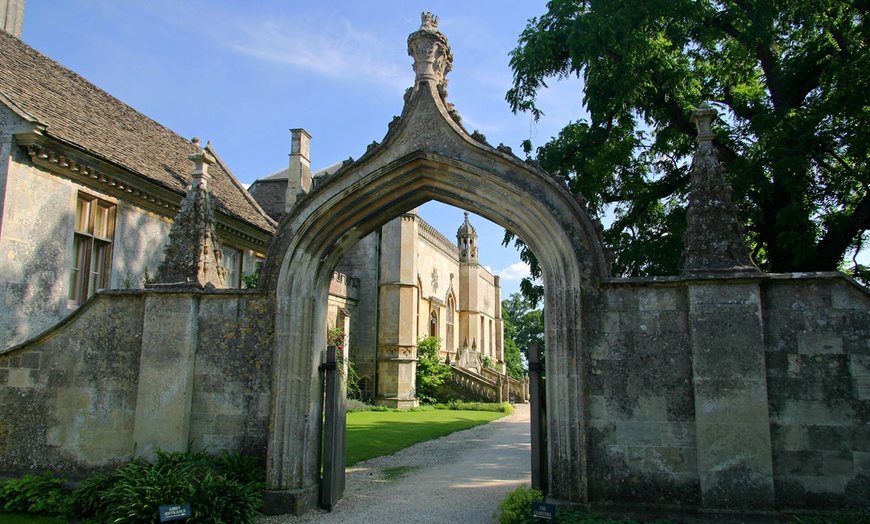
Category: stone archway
[426,155]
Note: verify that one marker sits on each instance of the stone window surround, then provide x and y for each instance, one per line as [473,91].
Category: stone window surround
[80,289]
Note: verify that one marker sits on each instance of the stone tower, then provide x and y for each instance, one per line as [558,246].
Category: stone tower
[469,278]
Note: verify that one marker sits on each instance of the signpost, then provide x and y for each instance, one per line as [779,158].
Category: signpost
[544,511]
[175,512]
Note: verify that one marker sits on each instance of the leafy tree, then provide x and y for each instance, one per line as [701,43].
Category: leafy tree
[512,355]
[431,373]
[523,326]
[789,78]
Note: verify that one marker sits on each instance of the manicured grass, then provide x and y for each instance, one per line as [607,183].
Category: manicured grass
[16,518]
[373,434]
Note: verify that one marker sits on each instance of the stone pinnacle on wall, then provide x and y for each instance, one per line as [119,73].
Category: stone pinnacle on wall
[193,256]
[714,242]
[430,51]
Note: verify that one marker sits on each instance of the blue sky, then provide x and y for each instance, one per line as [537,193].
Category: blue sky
[242,74]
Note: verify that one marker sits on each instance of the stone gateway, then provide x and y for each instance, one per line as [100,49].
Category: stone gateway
[722,389]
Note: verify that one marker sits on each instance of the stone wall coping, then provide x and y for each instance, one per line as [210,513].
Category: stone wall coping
[724,279]
[110,294]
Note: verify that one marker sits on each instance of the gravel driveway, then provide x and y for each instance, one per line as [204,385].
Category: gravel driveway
[458,478]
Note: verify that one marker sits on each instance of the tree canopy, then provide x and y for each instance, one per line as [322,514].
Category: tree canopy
[523,326]
[789,78]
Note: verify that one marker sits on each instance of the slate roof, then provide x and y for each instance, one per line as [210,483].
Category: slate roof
[77,112]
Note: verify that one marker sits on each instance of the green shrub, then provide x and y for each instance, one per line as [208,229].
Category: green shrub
[225,488]
[504,407]
[36,494]
[431,373]
[516,508]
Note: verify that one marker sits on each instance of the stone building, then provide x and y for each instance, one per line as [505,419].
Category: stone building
[89,188]
[723,391]
[400,283]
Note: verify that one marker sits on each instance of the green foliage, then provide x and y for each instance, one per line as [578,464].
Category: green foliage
[488,363]
[21,518]
[454,405]
[857,517]
[146,278]
[790,82]
[36,494]
[516,508]
[250,280]
[504,407]
[335,337]
[523,326]
[431,373]
[225,488]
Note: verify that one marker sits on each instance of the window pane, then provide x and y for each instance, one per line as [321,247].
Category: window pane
[102,220]
[231,261]
[76,274]
[83,213]
[98,265]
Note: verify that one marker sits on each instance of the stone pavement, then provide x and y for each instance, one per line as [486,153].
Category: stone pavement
[458,478]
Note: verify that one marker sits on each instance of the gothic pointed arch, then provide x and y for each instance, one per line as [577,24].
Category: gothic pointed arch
[426,155]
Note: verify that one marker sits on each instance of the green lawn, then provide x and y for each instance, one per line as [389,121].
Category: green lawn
[373,434]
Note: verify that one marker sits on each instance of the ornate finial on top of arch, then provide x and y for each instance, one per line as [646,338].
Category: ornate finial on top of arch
[428,22]
[432,56]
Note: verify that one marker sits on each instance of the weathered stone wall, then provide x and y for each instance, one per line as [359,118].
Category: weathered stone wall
[817,348]
[68,400]
[36,245]
[35,239]
[362,263]
[641,408]
[140,239]
[134,371]
[733,394]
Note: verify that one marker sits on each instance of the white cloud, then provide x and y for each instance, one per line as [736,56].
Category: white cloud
[345,53]
[515,271]
[327,47]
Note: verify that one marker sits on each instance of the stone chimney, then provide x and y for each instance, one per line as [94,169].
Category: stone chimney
[299,175]
[12,13]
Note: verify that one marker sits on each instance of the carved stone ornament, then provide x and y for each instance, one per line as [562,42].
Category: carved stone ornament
[434,280]
[714,242]
[193,256]
[430,51]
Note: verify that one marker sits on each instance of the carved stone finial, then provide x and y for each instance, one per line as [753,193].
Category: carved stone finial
[432,56]
[201,160]
[703,119]
[193,257]
[714,243]
[428,22]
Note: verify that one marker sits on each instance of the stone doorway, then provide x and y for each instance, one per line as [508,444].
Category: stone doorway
[426,155]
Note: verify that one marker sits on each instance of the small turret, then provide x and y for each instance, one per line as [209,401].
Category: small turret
[466,240]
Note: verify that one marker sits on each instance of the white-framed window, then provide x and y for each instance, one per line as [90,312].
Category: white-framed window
[232,261]
[93,235]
